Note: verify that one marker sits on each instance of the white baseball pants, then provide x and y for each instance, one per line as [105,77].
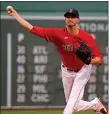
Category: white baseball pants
[74,84]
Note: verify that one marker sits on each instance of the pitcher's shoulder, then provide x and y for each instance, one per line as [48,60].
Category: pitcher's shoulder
[85,33]
[60,29]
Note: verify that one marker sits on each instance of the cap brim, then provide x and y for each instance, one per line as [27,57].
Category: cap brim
[70,14]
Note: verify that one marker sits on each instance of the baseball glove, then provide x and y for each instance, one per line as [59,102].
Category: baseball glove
[83,52]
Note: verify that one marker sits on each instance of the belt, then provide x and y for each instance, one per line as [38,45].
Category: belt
[73,70]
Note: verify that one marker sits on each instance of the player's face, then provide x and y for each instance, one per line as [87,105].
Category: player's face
[71,20]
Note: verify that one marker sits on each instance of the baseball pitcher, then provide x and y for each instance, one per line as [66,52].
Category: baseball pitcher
[78,51]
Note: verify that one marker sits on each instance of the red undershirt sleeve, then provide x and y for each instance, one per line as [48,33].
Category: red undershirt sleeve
[46,33]
[94,48]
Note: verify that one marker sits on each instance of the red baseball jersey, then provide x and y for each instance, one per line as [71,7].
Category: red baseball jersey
[64,42]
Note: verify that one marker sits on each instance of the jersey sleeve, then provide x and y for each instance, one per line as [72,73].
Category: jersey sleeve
[94,48]
[46,33]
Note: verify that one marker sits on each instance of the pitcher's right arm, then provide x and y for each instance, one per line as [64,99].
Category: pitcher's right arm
[12,12]
[46,33]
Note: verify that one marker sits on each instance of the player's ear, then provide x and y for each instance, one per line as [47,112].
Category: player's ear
[78,20]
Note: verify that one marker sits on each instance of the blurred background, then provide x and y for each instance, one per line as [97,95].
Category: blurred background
[30,67]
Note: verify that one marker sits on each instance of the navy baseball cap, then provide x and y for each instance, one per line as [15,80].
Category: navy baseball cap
[72,11]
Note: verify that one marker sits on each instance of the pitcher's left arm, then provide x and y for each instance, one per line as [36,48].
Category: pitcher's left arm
[96,54]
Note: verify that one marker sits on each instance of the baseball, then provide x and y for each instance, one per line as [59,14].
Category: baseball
[9,7]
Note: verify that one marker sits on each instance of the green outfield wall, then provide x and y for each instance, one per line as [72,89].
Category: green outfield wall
[58,7]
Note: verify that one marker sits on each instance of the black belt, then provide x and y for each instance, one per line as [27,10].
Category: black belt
[73,70]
